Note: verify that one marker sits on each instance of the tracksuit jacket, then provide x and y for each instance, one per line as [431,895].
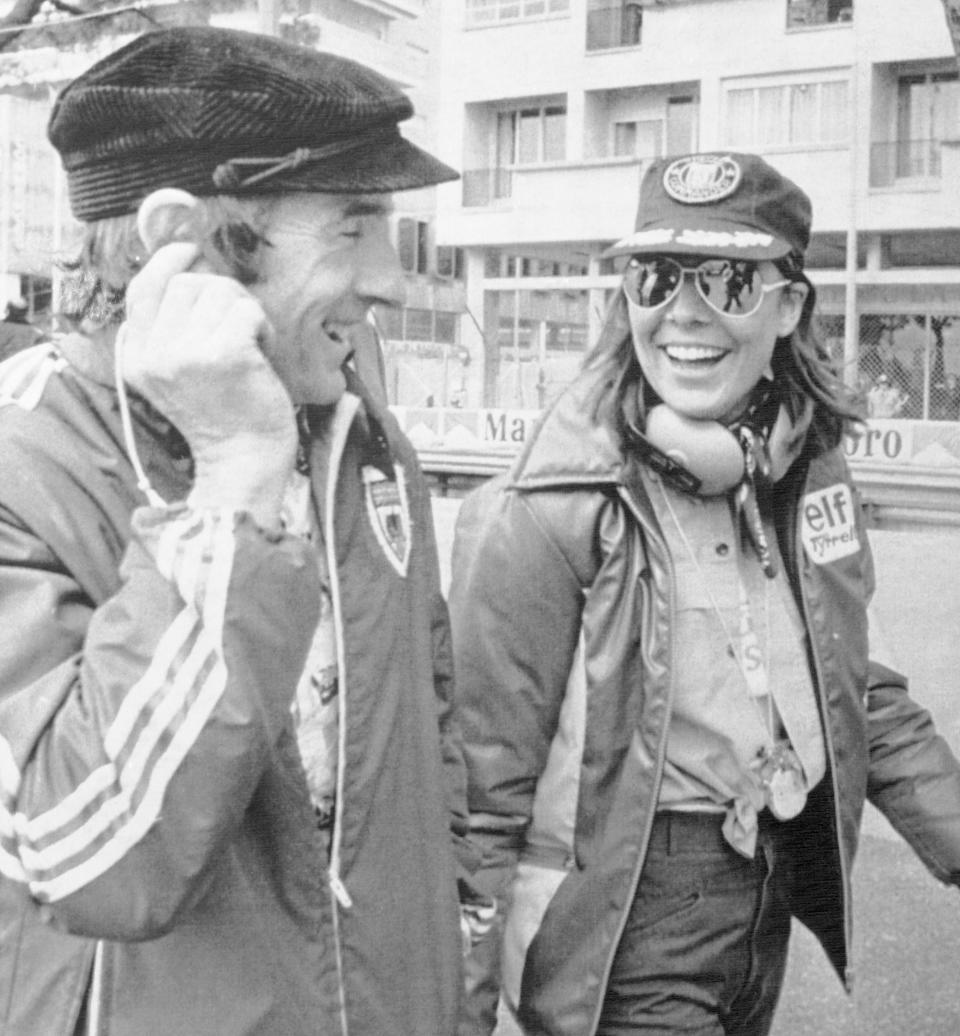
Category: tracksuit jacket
[562,605]
[161,870]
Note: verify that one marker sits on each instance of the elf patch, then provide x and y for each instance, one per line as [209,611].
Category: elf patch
[388,510]
[828,524]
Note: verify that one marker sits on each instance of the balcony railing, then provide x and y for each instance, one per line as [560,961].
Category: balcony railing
[491,12]
[616,24]
[897,160]
[801,13]
[482,186]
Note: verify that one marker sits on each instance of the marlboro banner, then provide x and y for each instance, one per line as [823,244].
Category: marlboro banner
[887,442]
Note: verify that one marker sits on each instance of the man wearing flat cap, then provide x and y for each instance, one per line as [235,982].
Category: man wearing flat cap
[229,786]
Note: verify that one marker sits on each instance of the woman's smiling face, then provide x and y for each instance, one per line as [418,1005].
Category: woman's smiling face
[703,364]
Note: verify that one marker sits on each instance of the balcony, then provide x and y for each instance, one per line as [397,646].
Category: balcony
[484,186]
[614,24]
[898,161]
[405,65]
[484,13]
[394,8]
[557,201]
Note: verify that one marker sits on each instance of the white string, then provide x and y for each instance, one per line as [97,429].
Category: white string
[130,445]
[769,722]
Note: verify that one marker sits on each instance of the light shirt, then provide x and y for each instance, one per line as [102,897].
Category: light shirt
[737,635]
[315,705]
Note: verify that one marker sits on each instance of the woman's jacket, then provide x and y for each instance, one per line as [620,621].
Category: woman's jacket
[562,605]
[161,870]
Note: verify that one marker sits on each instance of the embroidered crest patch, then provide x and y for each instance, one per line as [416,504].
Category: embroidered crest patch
[828,524]
[388,510]
[701,179]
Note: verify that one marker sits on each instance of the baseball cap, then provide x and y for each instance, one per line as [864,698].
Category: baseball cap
[718,203]
[221,111]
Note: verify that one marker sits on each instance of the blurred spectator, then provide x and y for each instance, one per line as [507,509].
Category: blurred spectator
[16,331]
[945,399]
[885,399]
[882,359]
[953,395]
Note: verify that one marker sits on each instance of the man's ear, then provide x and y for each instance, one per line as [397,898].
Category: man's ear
[791,306]
[169,214]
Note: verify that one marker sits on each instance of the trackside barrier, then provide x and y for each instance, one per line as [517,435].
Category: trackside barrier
[905,496]
[895,496]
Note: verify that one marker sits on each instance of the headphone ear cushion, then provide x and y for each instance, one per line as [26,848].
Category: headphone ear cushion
[705,448]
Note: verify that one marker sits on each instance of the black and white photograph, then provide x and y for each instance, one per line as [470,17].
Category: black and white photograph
[479,517]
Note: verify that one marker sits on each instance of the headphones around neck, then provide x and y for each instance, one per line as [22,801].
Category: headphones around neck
[706,457]
[701,457]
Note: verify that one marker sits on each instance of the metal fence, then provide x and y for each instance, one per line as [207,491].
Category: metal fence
[909,365]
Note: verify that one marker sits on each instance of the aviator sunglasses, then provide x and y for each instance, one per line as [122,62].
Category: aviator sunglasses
[730,287]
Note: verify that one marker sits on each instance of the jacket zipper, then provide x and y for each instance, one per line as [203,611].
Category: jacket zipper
[652,535]
[340,897]
[835,788]
[95,992]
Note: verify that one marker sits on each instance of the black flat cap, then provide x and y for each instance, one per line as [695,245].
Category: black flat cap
[218,111]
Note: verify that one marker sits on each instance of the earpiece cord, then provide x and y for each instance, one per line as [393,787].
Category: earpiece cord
[126,423]
[769,721]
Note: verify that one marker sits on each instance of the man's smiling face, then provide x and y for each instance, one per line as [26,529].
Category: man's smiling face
[327,259]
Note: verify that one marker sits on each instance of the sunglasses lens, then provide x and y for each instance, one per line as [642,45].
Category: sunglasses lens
[732,287]
[729,286]
[652,282]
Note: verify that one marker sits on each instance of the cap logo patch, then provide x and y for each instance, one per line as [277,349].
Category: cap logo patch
[701,179]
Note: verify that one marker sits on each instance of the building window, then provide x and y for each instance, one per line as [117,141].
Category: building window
[522,136]
[417,325]
[928,112]
[640,139]
[541,337]
[801,13]
[788,115]
[413,237]
[449,262]
[907,249]
[357,16]
[613,23]
[531,135]
[444,327]
[909,365]
[828,251]
[682,124]
[481,13]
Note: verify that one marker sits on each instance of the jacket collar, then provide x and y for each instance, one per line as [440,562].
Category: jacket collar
[568,446]
[94,360]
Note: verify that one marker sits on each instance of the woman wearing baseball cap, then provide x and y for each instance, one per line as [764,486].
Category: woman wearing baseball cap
[671,709]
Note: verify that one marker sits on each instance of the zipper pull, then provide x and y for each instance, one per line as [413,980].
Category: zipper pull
[340,890]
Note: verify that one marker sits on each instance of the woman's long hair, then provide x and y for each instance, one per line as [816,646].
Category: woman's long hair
[803,370]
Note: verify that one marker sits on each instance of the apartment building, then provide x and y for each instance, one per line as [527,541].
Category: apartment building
[398,38]
[554,108]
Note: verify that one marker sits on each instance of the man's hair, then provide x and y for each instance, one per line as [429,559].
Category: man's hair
[111,253]
[802,369]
